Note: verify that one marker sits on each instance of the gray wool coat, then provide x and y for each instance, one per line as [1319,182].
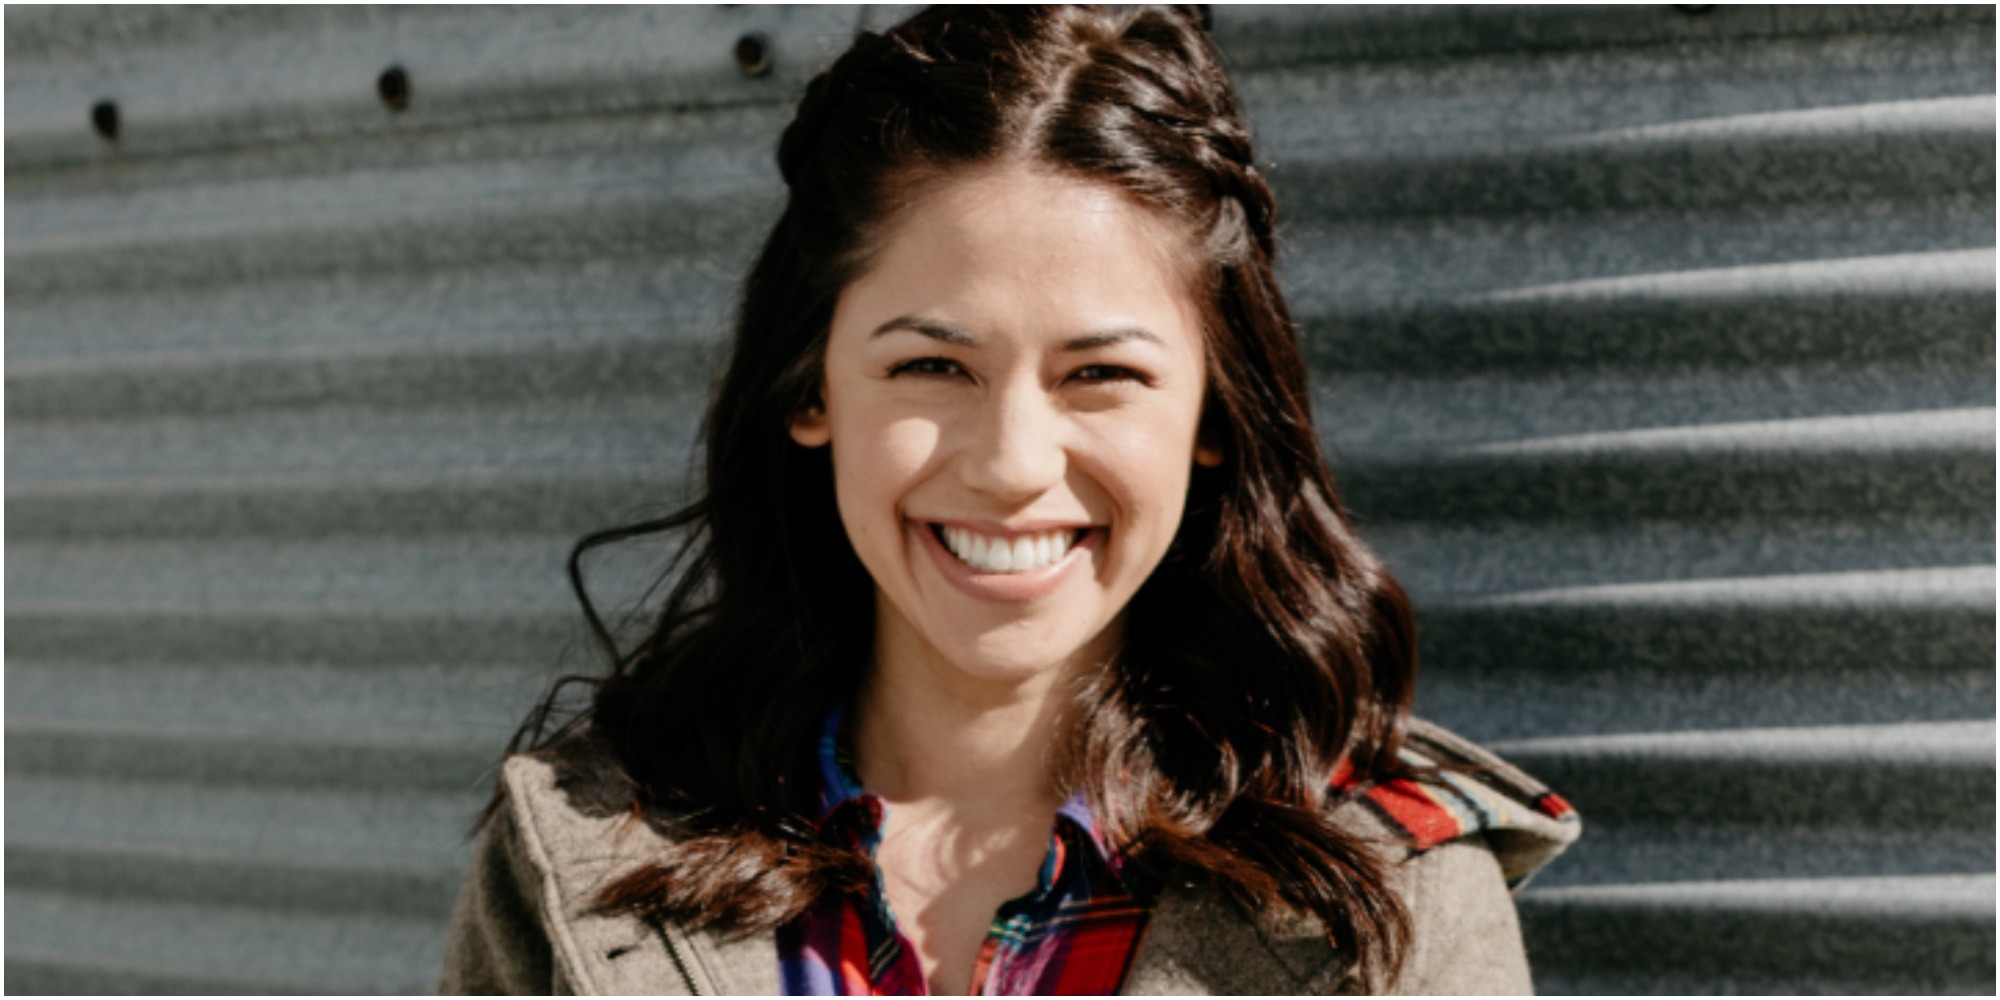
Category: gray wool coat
[525,923]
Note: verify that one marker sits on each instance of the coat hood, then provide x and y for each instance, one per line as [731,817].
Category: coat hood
[1461,790]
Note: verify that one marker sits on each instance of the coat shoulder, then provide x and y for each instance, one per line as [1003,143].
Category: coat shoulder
[1465,934]
[1460,790]
[528,919]
[1455,837]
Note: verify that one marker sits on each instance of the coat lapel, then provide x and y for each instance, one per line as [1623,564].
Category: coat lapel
[1198,942]
[572,812]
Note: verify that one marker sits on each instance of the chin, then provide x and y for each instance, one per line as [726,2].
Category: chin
[1008,656]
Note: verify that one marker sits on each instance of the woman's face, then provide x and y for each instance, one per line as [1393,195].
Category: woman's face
[1012,393]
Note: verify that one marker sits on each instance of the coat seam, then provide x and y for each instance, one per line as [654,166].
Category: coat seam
[559,929]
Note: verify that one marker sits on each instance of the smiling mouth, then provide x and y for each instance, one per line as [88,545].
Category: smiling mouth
[1017,554]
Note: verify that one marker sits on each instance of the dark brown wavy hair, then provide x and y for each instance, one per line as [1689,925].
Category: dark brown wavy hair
[1269,642]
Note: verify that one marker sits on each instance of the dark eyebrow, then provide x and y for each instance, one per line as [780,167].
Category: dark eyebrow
[929,328]
[953,335]
[1105,338]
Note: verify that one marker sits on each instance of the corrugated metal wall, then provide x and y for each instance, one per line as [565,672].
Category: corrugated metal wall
[1656,349]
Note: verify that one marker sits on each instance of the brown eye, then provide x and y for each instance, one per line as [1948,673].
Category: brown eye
[1107,373]
[927,367]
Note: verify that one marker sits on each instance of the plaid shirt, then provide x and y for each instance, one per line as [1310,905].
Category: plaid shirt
[1074,933]
[1078,931]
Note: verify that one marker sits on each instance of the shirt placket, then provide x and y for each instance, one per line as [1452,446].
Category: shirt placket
[1016,928]
[1015,957]
[893,969]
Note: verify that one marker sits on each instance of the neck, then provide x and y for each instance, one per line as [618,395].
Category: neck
[976,750]
[981,756]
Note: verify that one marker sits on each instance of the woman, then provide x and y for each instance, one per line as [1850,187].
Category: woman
[1021,644]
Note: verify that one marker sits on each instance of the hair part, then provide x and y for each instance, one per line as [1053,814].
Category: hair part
[1269,644]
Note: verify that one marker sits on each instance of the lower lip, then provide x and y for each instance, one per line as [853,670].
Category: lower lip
[1012,588]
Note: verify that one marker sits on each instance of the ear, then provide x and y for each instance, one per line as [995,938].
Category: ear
[809,427]
[1207,453]
[1208,436]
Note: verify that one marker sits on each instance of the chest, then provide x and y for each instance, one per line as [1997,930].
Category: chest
[1028,918]
[952,911]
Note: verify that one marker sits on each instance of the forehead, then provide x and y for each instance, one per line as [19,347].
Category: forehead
[1027,243]
[1027,201]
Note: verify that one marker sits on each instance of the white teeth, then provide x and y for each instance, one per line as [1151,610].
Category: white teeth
[1022,554]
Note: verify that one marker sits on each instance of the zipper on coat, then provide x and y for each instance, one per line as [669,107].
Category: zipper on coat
[684,960]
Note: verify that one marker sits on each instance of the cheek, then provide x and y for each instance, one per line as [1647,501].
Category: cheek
[1166,439]
[875,463]
[1149,462]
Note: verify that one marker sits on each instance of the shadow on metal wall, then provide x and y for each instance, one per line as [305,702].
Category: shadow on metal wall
[1654,345]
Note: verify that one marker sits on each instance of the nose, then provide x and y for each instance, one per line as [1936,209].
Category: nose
[1013,451]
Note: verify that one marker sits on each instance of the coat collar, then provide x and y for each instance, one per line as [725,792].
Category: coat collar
[571,806]
[579,834]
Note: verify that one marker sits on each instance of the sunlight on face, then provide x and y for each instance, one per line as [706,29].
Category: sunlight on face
[1012,394]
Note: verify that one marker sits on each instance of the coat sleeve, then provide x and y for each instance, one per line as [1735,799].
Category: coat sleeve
[497,943]
[1467,939]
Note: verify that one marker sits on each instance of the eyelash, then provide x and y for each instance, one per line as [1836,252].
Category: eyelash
[931,368]
[927,367]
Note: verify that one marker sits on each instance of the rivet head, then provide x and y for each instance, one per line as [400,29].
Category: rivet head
[753,54]
[104,119]
[393,86]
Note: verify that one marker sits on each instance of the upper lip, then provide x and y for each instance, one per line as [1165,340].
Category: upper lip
[998,530]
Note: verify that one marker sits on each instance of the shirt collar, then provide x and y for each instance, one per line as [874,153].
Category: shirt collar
[840,785]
